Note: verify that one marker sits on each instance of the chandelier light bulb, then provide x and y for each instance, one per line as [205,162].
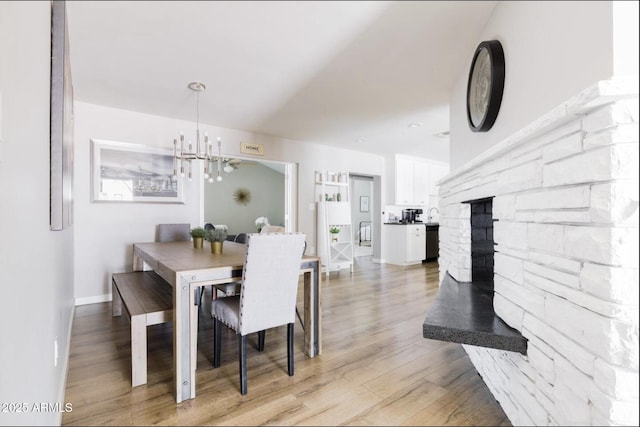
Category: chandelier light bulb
[219,178]
[210,179]
[228,169]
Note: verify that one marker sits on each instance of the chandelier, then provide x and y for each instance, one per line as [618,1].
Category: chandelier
[184,157]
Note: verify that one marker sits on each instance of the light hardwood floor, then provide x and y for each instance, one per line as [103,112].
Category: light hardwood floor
[375,369]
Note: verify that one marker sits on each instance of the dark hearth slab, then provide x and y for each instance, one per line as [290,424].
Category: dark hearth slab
[463,312]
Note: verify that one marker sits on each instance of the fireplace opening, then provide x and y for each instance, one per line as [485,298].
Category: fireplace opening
[482,244]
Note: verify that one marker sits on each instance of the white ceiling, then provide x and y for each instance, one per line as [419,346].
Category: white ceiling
[326,72]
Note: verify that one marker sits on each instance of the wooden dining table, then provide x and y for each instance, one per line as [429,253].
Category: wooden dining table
[188,269]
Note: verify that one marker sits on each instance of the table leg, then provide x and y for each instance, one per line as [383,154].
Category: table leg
[116,301]
[312,310]
[182,304]
[138,262]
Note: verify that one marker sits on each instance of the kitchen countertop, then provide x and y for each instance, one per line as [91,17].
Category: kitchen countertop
[412,223]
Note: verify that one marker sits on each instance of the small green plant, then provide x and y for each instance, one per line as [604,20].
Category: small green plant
[197,232]
[216,235]
[334,230]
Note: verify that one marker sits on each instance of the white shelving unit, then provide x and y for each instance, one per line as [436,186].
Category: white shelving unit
[334,210]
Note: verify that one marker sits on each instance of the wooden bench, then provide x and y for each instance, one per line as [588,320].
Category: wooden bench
[147,300]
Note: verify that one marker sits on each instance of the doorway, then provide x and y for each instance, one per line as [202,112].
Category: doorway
[362,218]
[253,188]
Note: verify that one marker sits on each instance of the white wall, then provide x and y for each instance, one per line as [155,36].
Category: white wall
[625,38]
[36,264]
[552,51]
[106,231]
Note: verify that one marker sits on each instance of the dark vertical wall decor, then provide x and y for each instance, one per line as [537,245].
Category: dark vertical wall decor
[61,189]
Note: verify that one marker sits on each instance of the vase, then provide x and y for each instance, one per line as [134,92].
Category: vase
[198,242]
[216,247]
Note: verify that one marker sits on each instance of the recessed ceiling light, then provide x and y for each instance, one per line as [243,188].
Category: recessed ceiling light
[443,134]
[415,125]
[361,140]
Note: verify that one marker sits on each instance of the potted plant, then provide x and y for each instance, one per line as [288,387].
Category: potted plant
[216,237]
[334,233]
[261,222]
[197,234]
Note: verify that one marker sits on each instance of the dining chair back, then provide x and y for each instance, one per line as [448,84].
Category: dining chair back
[267,295]
[174,232]
[272,229]
[270,281]
[241,238]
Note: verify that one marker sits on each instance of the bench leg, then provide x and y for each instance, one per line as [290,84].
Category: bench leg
[138,350]
[116,301]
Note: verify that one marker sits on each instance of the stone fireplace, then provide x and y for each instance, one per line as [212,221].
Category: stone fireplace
[561,196]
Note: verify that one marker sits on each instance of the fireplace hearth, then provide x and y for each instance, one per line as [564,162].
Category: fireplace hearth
[463,312]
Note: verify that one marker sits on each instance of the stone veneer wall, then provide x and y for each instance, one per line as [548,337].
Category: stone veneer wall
[566,261]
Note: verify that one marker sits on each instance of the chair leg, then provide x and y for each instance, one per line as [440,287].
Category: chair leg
[290,347]
[261,340]
[300,318]
[243,365]
[217,342]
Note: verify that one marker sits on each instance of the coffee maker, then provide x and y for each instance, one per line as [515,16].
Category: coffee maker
[418,215]
[409,216]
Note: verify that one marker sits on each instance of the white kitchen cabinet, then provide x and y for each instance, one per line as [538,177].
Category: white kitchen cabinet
[412,181]
[404,181]
[416,243]
[405,244]
[421,183]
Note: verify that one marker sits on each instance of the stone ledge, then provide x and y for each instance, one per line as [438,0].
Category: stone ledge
[593,97]
[463,313]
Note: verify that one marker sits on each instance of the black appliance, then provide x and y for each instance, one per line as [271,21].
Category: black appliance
[432,242]
[409,216]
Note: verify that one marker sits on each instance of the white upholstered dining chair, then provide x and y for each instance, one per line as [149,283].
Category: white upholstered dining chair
[267,295]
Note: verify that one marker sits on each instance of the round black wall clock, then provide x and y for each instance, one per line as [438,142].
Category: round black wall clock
[485,86]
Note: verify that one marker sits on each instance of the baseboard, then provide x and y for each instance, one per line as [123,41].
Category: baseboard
[379,260]
[93,300]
